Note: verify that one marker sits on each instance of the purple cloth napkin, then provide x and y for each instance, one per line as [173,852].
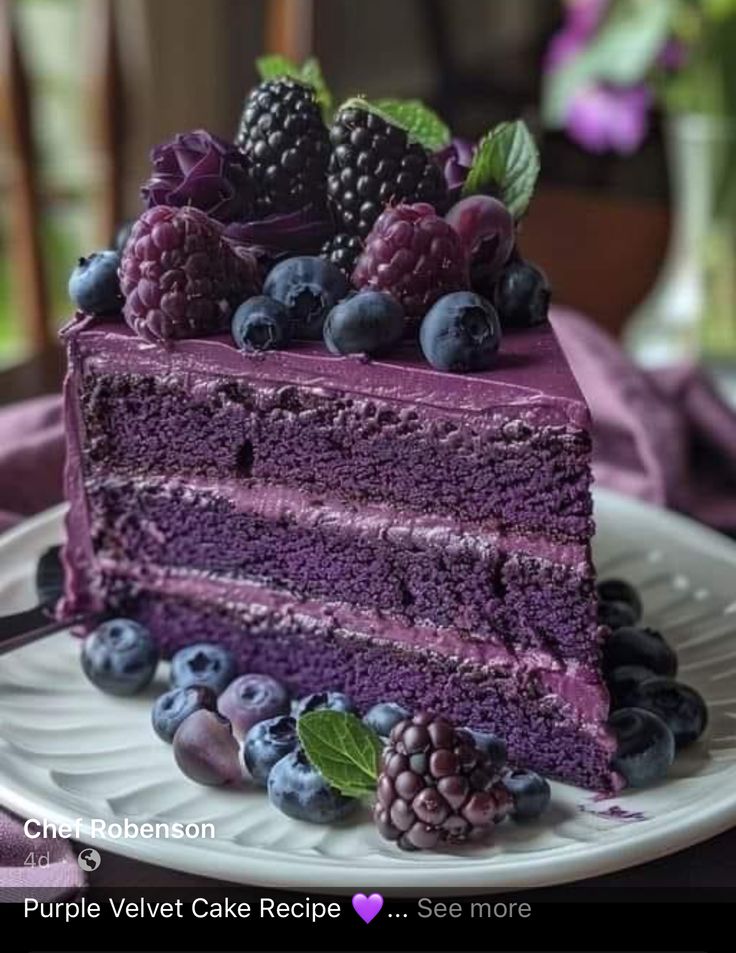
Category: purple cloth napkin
[62,874]
[664,436]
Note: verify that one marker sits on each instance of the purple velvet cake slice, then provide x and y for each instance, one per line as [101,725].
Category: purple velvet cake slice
[379,528]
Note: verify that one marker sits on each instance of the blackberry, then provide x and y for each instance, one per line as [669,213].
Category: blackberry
[436,785]
[373,164]
[284,136]
[343,250]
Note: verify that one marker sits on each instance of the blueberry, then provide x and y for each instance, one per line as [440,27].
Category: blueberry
[308,287]
[206,750]
[94,286]
[171,708]
[266,743]
[203,664]
[334,701]
[522,295]
[680,707]
[618,590]
[636,645]
[460,332]
[491,745]
[646,746]
[623,682]
[383,716]
[250,699]
[529,791]
[367,323]
[120,657]
[616,615]
[296,788]
[261,324]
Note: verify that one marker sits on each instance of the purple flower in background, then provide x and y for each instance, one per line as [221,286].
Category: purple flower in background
[201,170]
[603,118]
[581,23]
[455,161]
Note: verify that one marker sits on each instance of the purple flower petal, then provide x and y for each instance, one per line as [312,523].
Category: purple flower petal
[604,118]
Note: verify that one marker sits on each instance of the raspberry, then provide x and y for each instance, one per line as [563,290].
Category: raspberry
[414,255]
[373,164]
[179,277]
[284,136]
[436,785]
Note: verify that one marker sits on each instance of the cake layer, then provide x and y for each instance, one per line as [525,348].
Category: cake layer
[486,450]
[550,719]
[527,592]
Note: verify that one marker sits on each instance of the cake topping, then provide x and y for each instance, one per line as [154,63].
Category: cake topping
[308,287]
[94,286]
[201,170]
[261,324]
[487,233]
[460,333]
[369,322]
[414,255]
[522,295]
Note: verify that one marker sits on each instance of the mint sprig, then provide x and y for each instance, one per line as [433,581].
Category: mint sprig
[507,163]
[343,749]
[419,122]
[309,73]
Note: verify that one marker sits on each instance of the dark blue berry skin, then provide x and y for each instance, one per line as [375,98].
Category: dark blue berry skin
[680,707]
[623,683]
[250,699]
[203,664]
[299,790]
[171,708]
[334,701]
[636,645]
[383,716]
[618,590]
[94,286]
[370,322]
[309,288]
[261,324]
[266,743]
[529,791]
[616,615]
[460,332]
[493,746]
[120,657]
[522,296]
[646,746]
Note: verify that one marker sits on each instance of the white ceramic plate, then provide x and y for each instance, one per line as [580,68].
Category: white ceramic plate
[67,751]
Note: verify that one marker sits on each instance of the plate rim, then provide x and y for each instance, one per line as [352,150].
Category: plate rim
[267,868]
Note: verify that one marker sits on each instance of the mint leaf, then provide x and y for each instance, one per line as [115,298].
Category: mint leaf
[422,123]
[506,162]
[309,73]
[418,121]
[343,749]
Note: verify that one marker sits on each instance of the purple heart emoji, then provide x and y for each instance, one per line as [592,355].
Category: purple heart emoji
[367,907]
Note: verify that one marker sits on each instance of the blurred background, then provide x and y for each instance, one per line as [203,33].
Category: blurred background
[626,132]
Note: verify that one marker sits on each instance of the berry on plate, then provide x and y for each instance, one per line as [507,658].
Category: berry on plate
[680,707]
[616,615]
[522,295]
[637,645]
[530,793]
[332,701]
[308,287]
[493,746]
[383,716]
[460,333]
[369,322]
[250,699]
[261,324]
[205,749]
[623,683]
[203,664]
[94,285]
[120,657]
[620,591]
[646,746]
[414,255]
[266,743]
[297,789]
[171,708]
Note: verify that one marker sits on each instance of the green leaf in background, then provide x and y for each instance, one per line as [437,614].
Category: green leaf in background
[418,121]
[310,73]
[421,122]
[507,163]
[343,749]
[622,54]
